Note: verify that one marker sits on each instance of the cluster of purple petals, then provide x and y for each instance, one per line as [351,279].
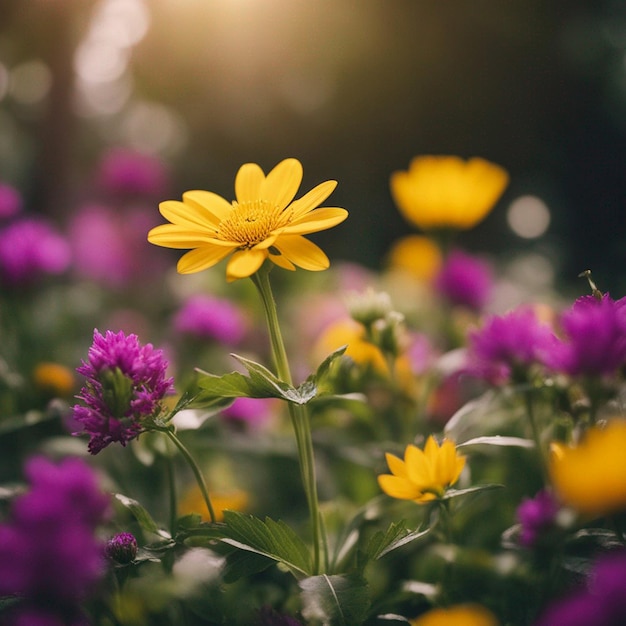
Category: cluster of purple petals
[206,317]
[49,555]
[536,516]
[125,171]
[465,280]
[10,201]
[595,338]
[29,249]
[602,602]
[507,345]
[122,548]
[142,367]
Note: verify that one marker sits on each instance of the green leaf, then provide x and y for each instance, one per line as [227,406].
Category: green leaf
[141,515]
[455,493]
[268,538]
[334,600]
[396,536]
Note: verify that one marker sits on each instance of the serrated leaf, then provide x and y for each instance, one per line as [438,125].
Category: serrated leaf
[396,536]
[268,538]
[141,515]
[334,600]
[241,563]
[498,440]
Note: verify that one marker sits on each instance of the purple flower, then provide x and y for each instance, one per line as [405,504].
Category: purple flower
[595,338]
[251,411]
[508,345]
[10,201]
[465,280]
[122,548]
[49,554]
[31,248]
[125,171]
[536,516]
[125,386]
[206,317]
[601,602]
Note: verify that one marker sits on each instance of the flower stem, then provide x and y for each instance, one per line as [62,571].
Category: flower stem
[299,413]
[194,468]
[530,411]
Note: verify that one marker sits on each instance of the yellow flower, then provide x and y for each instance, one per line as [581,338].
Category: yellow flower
[54,378]
[416,254]
[591,476]
[233,500]
[423,475]
[446,192]
[264,222]
[460,615]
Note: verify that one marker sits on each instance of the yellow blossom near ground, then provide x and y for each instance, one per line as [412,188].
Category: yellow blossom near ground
[591,476]
[460,615]
[54,378]
[446,192]
[192,502]
[418,255]
[424,475]
[264,222]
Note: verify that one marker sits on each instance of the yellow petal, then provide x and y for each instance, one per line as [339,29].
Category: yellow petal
[281,261]
[190,215]
[312,199]
[396,465]
[244,263]
[302,252]
[175,236]
[282,183]
[398,487]
[418,468]
[248,182]
[209,201]
[201,259]
[314,221]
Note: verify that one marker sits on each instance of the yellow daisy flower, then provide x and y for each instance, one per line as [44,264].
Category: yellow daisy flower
[424,475]
[417,255]
[591,476]
[439,192]
[264,222]
[460,615]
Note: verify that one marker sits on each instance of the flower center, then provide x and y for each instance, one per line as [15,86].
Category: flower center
[252,222]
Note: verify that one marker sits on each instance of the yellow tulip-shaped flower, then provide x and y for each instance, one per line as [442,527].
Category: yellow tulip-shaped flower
[264,222]
[424,475]
[446,192]
[460,615]
[591,477]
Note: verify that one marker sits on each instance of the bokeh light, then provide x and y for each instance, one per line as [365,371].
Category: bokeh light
[528,217]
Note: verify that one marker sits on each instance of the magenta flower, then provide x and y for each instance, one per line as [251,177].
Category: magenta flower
[595,338]
[465,280]
[600,602]
[206,317]
[536,517]
[49,554]
[125,386]
[253,412]
[507,346]
[121,548]
[125,171]
[10,201]
[29,249]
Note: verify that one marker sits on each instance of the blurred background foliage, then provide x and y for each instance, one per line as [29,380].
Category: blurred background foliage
[352,89]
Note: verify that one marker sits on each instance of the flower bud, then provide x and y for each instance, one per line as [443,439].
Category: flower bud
[121,548]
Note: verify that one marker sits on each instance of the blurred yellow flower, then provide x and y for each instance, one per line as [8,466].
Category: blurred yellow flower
[416,254]
[264,222]
[54,378]
[591,476]
[423,475]
[460,615]
[439,192]
[193,502]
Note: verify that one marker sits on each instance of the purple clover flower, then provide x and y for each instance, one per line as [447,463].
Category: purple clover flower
[206,317]
[508,345]
[121,548]
[31,248]
[536,516]
[465,280]
[125,386]
[595,338]
[600,602]
[49,555]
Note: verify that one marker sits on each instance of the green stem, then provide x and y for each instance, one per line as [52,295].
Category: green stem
[530,411]
[194,468]
[171,484]
[299,413]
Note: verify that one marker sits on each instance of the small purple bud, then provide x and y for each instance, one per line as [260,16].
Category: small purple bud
[121,548]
